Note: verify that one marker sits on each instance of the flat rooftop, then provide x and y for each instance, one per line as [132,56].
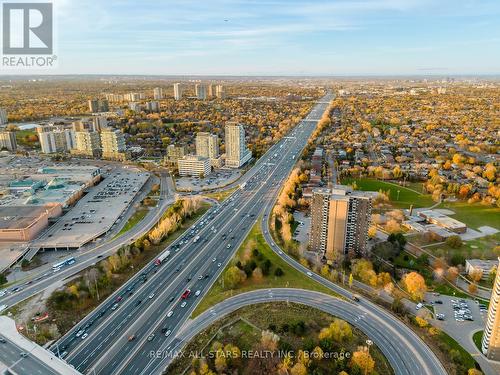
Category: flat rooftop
[96,212]
[19,217]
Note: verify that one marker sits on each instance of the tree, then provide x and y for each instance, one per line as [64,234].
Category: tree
[455,242]
[362,359]
[472,288]
[233,277]
[473,371]
[269,340]
[476,274]
[278,272]
[298,369]
[415,285]
[452,274]
[339,330]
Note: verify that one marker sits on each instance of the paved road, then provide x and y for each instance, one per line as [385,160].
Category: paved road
[40,282]
[192,265]
[425,357]
[405,356]
[10,355]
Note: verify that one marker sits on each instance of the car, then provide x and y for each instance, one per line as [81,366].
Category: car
[151,337]
[214,259]
[138,302]
[131,338]
[419,306]
[168,333]
[170,313]
[439,302]
[84,336]
[114,307]
[151,296]
[171,299]
[219,264]
[198,292]
[309,274]
[80,332]
[23,354]
[207,276]
[228,246]
[280,252]
[63,354]
[183,304]
[2,340]
[200,277]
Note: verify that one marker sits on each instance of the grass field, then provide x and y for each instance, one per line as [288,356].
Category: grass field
[481,248]
[222,195]
[404,199]
[474,215]
[465,357]
[291,277]
[478,338]
[132,222]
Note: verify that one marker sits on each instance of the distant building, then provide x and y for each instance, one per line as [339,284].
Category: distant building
[157,93]
[210,89]
[100,123]
[491,335]
[193,165]
[439,219]
[83,125]
[115,98]
[153,106]
[134,106]
[56,139]
[8,141]
[113,144]
[237,153]
[134,96]
[3,116]
[480,265]
[207,145]
[200,91]
[88,143]
[174,153]
[177,91]
[96,105]
[219,92]
[340,219]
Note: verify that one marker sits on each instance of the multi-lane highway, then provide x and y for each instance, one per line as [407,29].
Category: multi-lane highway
[147,312]
[45,279]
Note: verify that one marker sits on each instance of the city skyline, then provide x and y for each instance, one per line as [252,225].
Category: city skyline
[379,37]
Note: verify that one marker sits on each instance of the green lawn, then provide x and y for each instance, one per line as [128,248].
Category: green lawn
[474,215]
[481,248]
[132,222]
[291,277]
[478,338]
[465,358]
[406,196]
[222,195]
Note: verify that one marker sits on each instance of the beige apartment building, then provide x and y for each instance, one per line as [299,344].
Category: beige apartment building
[340,219]
[8,141]
[193,165]
[237,152]
[491,335]
[113,144]
[88,143]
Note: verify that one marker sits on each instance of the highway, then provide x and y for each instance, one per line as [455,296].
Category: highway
[42,281]
[405,356]
[144,303]
[10,355]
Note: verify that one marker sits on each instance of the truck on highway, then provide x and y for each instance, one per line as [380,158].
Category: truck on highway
[162,257]
[186,294]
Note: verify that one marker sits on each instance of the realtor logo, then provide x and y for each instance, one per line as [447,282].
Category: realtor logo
[27,29]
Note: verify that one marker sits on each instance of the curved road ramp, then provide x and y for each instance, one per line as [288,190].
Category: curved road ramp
[405,351]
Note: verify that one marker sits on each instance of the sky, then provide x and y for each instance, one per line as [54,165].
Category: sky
[278,37]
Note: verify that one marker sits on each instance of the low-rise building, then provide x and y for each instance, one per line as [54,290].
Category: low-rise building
[437,218]
[193,165]
[481,265]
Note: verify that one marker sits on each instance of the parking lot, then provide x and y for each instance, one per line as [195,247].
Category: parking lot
[96,212]
[457,314]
